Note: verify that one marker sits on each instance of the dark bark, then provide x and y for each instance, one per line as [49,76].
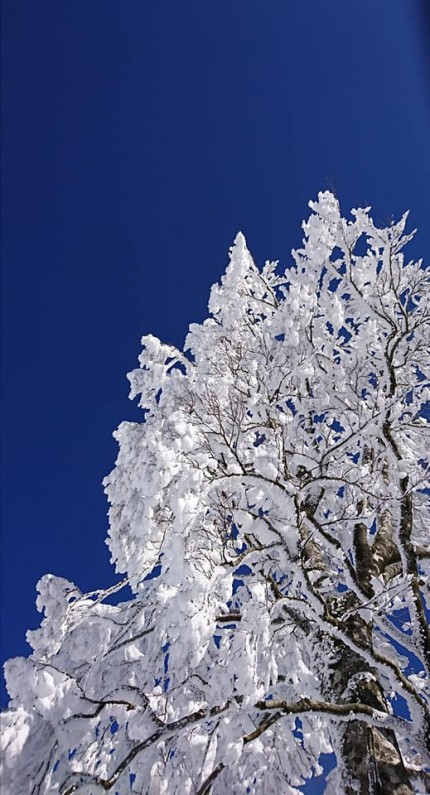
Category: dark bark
[363,559]
[370,755]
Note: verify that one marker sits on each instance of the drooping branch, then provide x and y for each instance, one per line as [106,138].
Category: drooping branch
[168,730]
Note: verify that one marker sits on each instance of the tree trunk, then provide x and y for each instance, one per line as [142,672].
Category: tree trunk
[370,756]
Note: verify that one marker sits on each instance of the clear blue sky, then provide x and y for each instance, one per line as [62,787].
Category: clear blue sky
[138,137]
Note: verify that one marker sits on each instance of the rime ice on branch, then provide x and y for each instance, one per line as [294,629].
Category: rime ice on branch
[271,513]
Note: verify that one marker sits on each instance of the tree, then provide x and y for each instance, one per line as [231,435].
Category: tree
[271,515]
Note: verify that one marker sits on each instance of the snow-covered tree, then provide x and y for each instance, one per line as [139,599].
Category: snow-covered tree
[271,514]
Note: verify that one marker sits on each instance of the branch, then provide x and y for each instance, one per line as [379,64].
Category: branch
[407,551]
[346,709]
[349,710]
[204,789]
[228,618]
[167,730]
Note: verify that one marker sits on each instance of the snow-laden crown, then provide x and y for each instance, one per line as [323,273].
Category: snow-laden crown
[271,515]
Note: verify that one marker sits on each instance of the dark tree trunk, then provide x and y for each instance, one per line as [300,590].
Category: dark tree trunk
[370,756]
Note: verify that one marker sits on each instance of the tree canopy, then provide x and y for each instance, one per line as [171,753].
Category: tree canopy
[271,514]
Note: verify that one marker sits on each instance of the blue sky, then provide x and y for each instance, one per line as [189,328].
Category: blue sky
[138,138]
